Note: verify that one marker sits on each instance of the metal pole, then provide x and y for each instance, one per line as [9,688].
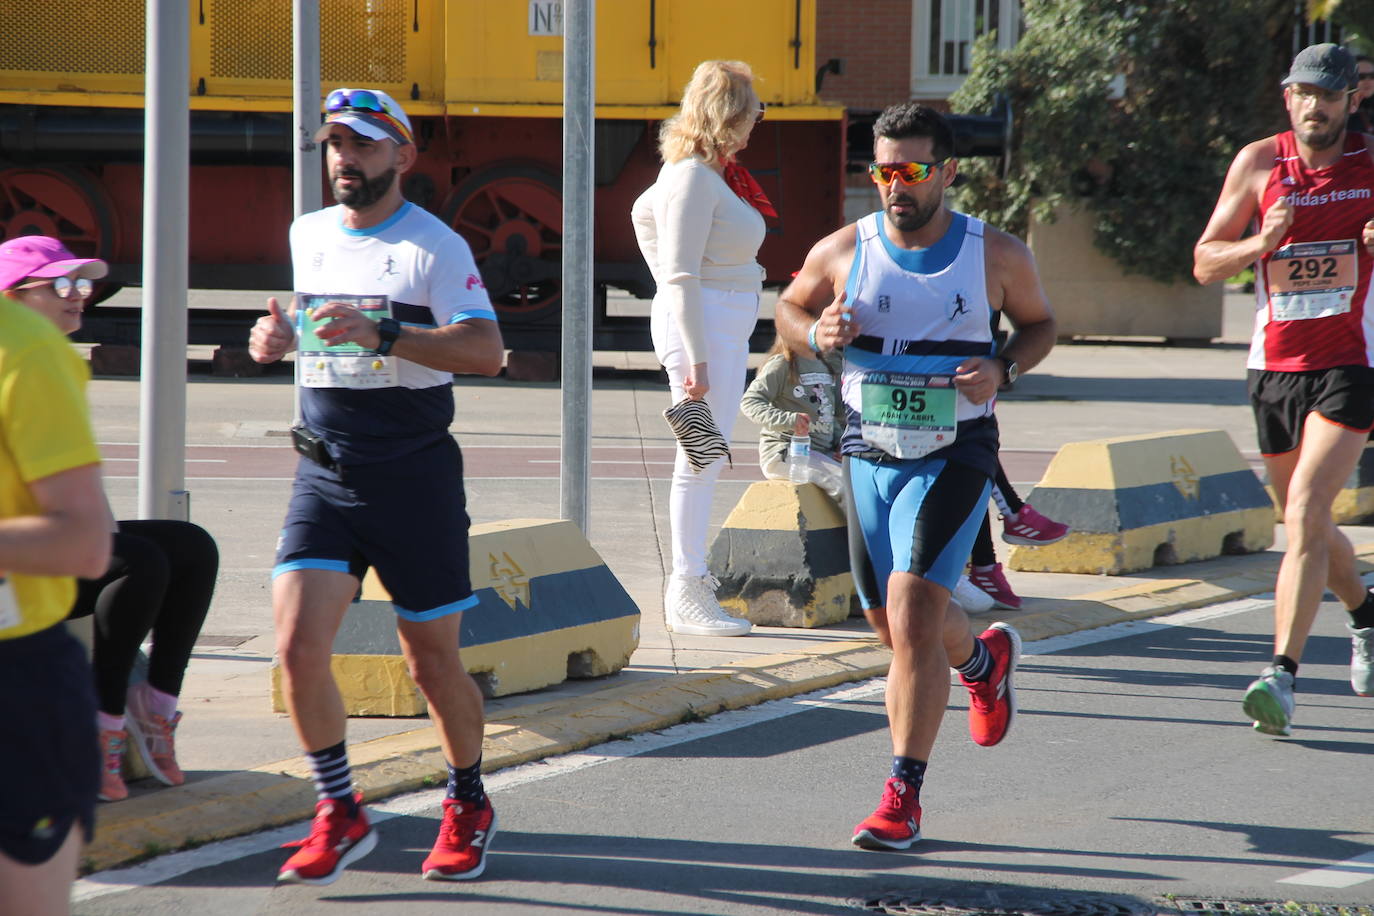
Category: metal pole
[305,27]
[579,95]
[305,96]
[166,193]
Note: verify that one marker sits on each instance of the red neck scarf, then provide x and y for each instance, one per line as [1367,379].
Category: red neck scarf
[747,187]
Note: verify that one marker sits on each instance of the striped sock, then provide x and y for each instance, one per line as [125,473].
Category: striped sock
[333,777]
[979,664]
[465,783]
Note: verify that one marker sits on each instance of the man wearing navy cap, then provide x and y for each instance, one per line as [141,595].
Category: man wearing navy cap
[1311,191]
[389,303]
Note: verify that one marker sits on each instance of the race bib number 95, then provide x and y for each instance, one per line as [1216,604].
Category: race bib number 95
[908,416]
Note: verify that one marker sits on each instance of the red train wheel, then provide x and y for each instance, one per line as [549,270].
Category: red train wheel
[58,201]
[512,216]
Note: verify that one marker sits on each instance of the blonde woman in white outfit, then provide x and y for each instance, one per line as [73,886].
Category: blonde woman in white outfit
[700,226]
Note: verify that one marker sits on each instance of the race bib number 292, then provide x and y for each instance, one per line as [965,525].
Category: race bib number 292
[1312,280]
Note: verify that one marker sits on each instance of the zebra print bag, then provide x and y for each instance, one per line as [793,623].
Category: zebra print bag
[697,433]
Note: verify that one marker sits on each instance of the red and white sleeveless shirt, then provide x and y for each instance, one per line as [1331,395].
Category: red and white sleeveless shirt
[1314,308]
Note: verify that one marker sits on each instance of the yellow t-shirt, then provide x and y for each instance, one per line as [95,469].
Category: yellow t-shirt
[45,428]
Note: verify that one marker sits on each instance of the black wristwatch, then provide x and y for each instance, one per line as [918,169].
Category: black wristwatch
[1012,369]
[388,329]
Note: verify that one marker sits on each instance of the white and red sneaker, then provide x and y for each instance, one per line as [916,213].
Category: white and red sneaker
[896,823]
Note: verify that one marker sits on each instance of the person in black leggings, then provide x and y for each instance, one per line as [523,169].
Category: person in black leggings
[1021,524]
[160,580]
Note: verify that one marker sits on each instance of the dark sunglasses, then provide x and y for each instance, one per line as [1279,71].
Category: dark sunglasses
[64,286]
[363,99]
[908,172]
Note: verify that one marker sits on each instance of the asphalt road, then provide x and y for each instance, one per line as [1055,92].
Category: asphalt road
[1129,785]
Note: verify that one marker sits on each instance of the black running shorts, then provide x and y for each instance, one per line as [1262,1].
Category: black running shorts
[51,766]
[1343,395]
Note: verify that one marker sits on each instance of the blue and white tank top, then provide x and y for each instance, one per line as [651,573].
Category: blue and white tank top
[920,313]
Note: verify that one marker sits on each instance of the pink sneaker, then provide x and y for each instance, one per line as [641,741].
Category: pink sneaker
[994,582]
[154,736]
[112,745]
[1032,529]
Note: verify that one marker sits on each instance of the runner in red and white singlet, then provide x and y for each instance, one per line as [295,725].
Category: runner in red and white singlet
[1311,365]
[1315,309]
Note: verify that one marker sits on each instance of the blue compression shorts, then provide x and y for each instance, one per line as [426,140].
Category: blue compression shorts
[919,516]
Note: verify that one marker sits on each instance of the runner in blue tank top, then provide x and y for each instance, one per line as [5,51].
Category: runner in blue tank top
[908,293]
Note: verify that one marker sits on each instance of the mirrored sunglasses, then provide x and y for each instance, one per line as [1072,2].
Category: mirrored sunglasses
[64,286]
[362,99]
[907,172]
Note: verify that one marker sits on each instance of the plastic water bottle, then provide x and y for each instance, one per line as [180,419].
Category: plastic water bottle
[799,459]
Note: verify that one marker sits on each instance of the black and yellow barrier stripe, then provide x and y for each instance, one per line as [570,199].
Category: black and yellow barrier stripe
[782,558]
[549,609]
[1136,502]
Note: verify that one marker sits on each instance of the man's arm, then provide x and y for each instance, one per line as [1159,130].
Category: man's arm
[816,294]
[1015,280]
[472,346]
[1221,252]
[71,534]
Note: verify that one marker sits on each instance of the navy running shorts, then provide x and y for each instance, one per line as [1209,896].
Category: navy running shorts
[51,769]
[918,516]
[406,517]
[1343,395]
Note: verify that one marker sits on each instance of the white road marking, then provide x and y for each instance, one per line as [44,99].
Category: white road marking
[187,460]
[427,802]
[1342,874]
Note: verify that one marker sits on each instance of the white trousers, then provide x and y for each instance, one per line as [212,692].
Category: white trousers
[730,318]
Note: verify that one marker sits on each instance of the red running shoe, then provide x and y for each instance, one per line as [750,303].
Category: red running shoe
[896,824]
[992,703]
[994,583]
[1031,528]
[460,852]
[335,842]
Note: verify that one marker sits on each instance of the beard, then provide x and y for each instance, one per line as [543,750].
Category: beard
[910,222]
[1320,135]
[364,194]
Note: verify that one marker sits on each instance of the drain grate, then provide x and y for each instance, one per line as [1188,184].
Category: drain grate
[1058,905]
[1199,907]
[225,642]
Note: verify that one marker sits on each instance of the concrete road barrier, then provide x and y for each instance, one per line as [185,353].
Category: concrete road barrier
[1135,502]
[548,610]
[782,557]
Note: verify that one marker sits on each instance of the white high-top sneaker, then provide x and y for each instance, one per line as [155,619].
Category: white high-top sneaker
[690,607]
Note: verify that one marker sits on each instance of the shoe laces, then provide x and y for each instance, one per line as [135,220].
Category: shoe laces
[114,751]
[330,824]
[894,795]
[459,823]
[162,736]
[699,594]
[1363,642]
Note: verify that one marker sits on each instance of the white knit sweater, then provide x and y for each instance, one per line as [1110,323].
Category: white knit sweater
[695,232]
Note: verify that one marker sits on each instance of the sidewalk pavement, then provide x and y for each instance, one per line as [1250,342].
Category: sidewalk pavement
[244,767]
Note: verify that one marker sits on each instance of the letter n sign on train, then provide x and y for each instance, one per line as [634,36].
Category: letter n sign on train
[546,17]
